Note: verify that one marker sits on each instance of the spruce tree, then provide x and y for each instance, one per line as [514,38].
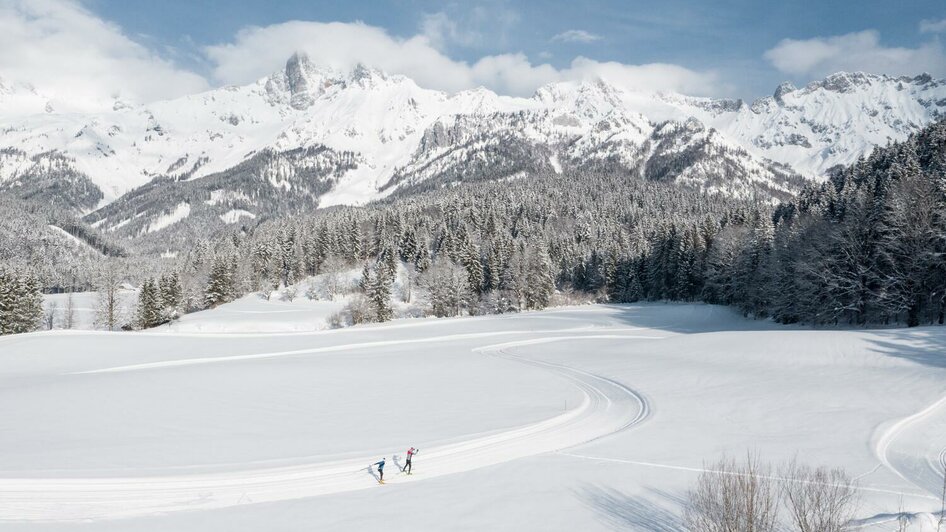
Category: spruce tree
[220,283]
[149,312]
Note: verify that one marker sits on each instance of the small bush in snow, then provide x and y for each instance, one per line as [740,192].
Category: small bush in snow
[289,293]
[497,302]
[570,296]
[736,497]
[818,500]
[733,497]
[312,292]
[338,320]
[358,310]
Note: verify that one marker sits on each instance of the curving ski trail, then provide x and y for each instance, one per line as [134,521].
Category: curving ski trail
[913,448]
[607,407]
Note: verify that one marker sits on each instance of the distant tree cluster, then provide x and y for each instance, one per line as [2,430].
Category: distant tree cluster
[480,248]
[159,300]
[21,302]
[866,247]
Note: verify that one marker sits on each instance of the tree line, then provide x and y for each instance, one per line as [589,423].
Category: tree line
[866,247]
[21,303]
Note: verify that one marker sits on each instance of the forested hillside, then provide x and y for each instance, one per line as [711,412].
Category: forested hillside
[864,248]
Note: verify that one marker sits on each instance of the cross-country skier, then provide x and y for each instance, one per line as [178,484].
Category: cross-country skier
[410,454]
[380,470]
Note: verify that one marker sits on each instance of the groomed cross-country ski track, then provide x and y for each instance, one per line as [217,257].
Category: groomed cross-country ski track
[607,407]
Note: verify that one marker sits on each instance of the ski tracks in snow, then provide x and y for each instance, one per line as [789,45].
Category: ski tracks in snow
[607,407]
[913,448]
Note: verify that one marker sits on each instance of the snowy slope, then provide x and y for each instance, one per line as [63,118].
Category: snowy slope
[829,122]
[595,418]
[371,134]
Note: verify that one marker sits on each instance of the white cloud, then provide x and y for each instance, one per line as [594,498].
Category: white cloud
[79,59]
[258,51]
[581,36]
[486,25]
[649,77]
[440,30]
[862,51]
[73,56]
[933,26]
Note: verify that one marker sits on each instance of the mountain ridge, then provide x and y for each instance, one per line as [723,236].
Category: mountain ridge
[385,133]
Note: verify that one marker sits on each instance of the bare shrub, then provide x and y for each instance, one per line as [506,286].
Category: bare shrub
[51,316]
[357,310]
[733,497]
[818,500]
[942,502]
[312,292]
[332,280]
[289,293]
[903,520]
[338,320]
[69,317]
[569,296]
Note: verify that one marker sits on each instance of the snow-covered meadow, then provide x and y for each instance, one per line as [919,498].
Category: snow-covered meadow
[586,418]
[84,308]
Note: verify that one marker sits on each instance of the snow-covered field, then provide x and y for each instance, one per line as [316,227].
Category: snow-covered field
[254,314]
[590,418]
[84,305]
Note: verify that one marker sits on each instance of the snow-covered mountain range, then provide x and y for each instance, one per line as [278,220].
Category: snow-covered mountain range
[308,136]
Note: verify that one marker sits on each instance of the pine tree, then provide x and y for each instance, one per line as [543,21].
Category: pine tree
[540,282]
[171,296]
[262,261]
[29,306]
[220,284]
[313,254]
[470,260]
[7,301]
[149,312]
[285,245]
[353,244]
[379,295]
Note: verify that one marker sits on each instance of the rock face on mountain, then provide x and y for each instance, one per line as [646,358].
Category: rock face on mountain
[308,136]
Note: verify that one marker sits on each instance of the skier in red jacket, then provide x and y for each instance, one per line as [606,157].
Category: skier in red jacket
[410,454]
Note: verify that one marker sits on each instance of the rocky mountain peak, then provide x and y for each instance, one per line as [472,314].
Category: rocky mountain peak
[844,81]
[366,77]
[302,81]
[783,89]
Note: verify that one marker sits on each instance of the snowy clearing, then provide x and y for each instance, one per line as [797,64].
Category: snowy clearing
[84,305]
[252,313]
[592,418]
[181,211]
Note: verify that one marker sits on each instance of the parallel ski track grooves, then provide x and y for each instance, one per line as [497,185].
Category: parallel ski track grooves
[935,463]
[608,407]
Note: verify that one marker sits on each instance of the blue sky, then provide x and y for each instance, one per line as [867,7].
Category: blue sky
[723,48]
[729,36]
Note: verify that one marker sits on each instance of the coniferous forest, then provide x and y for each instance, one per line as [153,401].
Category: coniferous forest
[865,248]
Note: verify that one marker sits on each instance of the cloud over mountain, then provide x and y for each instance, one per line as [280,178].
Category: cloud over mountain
[71,55]
[859,51]
[255,50]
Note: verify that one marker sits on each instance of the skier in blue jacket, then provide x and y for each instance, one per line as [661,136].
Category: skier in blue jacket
[380,470]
